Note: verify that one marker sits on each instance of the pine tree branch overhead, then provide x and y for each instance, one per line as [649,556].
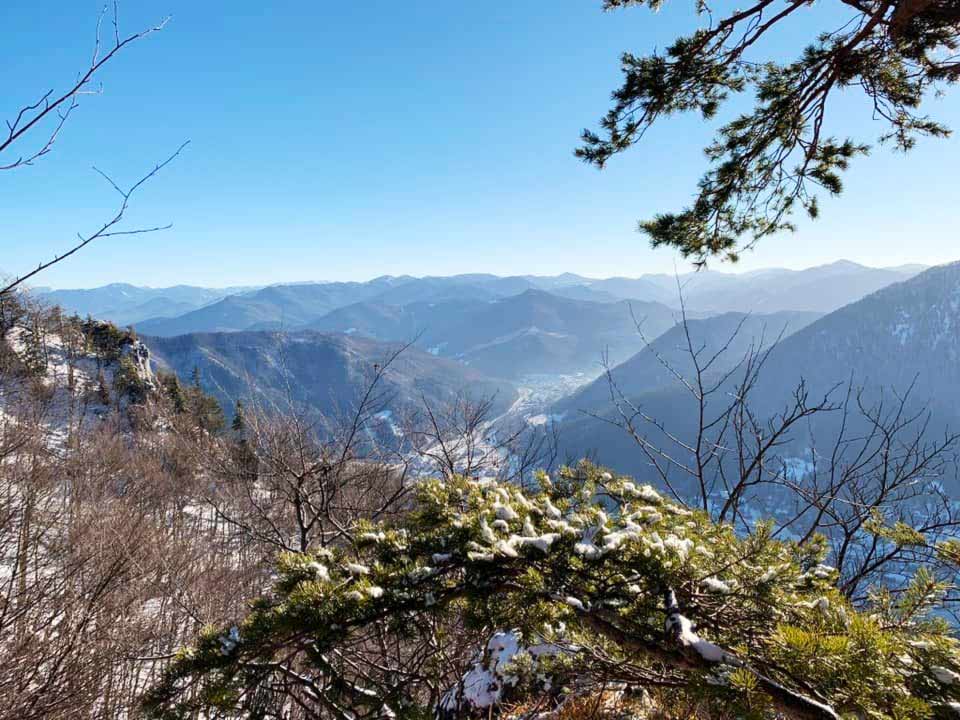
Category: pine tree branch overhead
[777,157]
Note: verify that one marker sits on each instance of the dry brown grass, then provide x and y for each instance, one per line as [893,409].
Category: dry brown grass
[609,705]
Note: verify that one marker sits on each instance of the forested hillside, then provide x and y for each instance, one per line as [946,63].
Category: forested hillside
[322,374]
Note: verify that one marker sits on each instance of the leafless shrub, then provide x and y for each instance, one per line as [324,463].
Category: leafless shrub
[883,470]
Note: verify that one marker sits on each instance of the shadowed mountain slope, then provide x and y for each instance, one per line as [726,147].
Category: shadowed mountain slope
[903,337]
[320,372]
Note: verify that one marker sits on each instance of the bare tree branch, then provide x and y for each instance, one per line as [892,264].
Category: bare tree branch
[107,229]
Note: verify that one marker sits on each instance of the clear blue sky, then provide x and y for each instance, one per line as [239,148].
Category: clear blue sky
[344,140]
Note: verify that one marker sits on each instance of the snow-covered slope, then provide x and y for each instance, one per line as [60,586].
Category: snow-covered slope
[62,373]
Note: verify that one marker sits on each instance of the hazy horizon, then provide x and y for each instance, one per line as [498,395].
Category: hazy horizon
[724,268]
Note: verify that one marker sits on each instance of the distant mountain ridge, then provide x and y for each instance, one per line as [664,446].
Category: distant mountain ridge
[903,336]
[652,368]
[532,332]
[906,334]
[186,309]
[272,307]
[819,289]
[534,341]
[538,332]
[125,304]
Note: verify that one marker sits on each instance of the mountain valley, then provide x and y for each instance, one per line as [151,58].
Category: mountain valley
[541,347]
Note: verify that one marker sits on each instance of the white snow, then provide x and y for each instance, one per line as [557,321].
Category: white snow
[769,574]
[541,542]
[480,556]
[575,603]
[320,570]
[421,573]
[944,675]
[551,510]
[681,546]
[483,685]
[823,572]
[489,536]
[682,626]
[586,546]
[715,585]
[648,494]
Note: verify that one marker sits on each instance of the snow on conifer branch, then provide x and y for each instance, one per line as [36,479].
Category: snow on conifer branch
[596,558]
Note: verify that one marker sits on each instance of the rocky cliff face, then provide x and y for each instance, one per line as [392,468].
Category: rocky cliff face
[65,372]
[139,356]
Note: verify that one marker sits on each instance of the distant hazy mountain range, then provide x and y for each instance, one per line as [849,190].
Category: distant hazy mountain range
[819,289]
[128,304]
[906,334]
[184,309]
[531,341]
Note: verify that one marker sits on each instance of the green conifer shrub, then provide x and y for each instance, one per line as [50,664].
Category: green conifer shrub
[604,568]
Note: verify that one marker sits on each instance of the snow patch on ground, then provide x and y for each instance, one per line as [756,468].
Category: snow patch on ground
[484,684]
